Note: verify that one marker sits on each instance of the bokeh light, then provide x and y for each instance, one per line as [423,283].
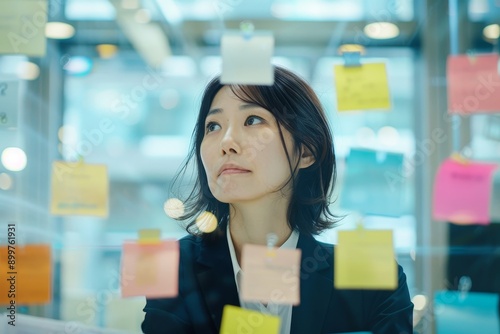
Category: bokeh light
[14,159]
[420,302]
[381,30]
[206,222]
[173,207]
[27,71]
[5,181]
[59,30]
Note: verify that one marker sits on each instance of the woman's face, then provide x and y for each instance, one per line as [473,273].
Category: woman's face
[246,135]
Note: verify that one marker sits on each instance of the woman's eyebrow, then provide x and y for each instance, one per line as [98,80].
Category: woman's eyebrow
[249,106]
[241,107]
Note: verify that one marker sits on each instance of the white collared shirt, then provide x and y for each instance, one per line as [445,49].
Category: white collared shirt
[284,311]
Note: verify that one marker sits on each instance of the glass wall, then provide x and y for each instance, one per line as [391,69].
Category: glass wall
[119,87]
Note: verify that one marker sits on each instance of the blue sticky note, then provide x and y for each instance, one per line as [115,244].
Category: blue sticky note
[465,313]
[495,198]
[373,183]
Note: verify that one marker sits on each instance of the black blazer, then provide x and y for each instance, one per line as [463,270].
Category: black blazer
[206,284]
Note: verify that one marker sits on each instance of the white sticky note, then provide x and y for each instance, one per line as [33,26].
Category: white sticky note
[247,60]
[9,103]
[22,27]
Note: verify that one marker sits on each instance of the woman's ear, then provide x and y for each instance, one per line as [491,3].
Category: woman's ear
[306,157]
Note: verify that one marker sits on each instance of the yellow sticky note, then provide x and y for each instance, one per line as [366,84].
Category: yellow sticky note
[238,320]
[79,189]
[149,236]
[22,27]
[362,87]
[28,274]
[364,259]
[270,276]
[150,270]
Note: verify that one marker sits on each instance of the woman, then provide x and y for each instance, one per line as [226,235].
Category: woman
[266,164]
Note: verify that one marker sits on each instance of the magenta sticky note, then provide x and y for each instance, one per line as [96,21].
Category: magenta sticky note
[473,84]
[150,270]
[462,192]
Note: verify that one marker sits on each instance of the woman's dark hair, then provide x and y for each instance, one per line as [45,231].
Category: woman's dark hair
[297,108]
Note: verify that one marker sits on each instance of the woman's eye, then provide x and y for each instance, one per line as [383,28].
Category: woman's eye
[209,126]
[255,117]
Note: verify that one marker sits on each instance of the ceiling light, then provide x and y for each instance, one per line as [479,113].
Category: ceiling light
[59,30]
[492,31]
[381,30]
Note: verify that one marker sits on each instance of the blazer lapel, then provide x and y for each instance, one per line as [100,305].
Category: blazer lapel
[316,287]
[215,275]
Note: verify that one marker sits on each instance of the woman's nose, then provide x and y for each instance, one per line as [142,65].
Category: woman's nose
[230,142]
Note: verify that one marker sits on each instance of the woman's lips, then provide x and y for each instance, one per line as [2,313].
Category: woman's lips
[234,171]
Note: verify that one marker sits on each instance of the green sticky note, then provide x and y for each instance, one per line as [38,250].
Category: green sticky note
[22,27]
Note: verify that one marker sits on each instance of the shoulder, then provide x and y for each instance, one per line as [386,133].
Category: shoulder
[310,245]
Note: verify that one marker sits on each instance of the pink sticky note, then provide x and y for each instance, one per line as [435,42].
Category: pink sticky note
[462,192]
[473,84]
[150,270]
[270,276]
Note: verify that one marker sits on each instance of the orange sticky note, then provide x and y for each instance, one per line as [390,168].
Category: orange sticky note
[270,277]
[79,189]
[28,276]
[473,84]
[363,87]
[364,259]
[150,270]
[462,192]
[238,320]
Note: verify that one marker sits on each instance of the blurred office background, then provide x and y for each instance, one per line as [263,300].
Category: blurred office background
[142,65]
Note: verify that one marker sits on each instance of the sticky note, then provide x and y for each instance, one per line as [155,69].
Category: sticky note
[79,189]
[364,87]
[373,183]
[270,276]
[473,84]
[247,60]
[22,27]
[364,259]
[462,192]
[491,128]
[27,280]
[149,236]
[239,320]
[462,313]
[9,102]
[495,198]
[150,270]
